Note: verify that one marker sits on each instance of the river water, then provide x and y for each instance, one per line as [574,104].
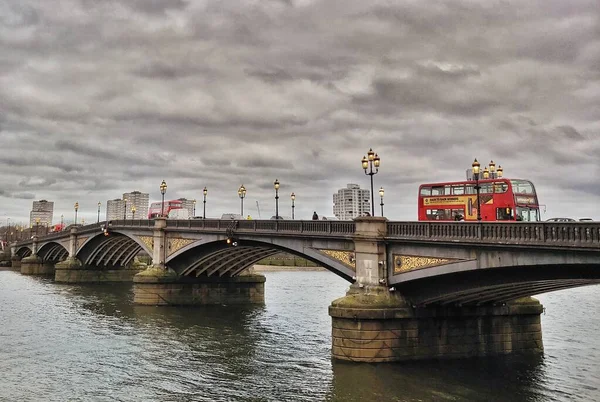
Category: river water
[89,343]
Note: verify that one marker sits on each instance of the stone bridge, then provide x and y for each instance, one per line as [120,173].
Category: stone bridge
[417,287]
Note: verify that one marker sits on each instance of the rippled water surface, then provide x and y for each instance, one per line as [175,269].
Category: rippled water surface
[89,343]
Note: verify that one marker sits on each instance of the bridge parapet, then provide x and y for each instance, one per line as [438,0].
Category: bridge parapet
[578,235]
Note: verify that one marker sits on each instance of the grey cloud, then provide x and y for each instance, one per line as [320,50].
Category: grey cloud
[100,98]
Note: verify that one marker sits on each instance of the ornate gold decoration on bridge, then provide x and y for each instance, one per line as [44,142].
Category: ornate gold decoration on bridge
[345,257]
[406,263]
[178,243]
[148,241]
[80,241]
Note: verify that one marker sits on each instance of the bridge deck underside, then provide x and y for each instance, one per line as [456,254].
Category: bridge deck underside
[497,286]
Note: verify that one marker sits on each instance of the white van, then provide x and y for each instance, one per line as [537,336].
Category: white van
[179,213]
[232,217]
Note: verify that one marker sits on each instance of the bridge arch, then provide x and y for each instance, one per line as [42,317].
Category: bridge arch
[215,257]
[23,252]
[116,250]
[53,252]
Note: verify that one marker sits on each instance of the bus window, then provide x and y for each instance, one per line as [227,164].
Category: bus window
[439,190]
[426,191]
[504,214]
[486,188]
[458,189]
[522,187]
[470,189]
[500,188]
[458,214]
[527,214]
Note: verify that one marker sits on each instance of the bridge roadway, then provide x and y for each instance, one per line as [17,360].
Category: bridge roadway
[406,272]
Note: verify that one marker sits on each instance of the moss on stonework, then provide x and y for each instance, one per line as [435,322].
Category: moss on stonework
[371,300]
[157,271]
[525,300]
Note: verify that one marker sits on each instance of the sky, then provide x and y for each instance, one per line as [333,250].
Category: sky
[99,98]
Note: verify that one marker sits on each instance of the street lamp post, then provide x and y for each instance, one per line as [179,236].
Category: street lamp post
[293,197]
[37,226]
[62,221]
[76,209]
[276,185]
[476,166]
[8,229]
[369,162]
[99,204]
[204,192]
[492,170]
[133,209]
[125,209]
[242,194]
[163,190]
[194,207]
[381,192]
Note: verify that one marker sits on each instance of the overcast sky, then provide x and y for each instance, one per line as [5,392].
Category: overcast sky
[101,97]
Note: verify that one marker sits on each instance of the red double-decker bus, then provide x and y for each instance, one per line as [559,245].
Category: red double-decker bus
[500,199]
[157,207]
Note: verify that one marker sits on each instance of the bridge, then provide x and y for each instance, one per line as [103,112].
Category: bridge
[418,289]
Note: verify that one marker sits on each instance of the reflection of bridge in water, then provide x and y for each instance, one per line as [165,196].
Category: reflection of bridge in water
[419,289]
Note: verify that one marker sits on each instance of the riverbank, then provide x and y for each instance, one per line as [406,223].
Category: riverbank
[274,268]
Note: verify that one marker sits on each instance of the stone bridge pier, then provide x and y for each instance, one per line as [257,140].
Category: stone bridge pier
[159,285]
[374,323]
[33,264]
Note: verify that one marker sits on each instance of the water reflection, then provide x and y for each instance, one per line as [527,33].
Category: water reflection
[476,379]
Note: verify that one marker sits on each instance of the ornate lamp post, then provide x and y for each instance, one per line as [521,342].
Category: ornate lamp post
[99,204]
[293,197]
[125,209]
[242,194]
[133,209]
[37,226]
[76,208]
[193,207]
[163,190]
[276,185]
[369,162]
[204,192]
[492,170]
[381,192]
[476,166]
[62,222]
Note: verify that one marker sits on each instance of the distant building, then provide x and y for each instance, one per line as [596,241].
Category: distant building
[123,208]
[41,213]
[351,202]
[189,205]
[115,209]
[140,200]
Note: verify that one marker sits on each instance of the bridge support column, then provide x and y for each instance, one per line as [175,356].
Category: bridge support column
[33,264]
[153,287]
[373,323]
[66,271]
[15,262]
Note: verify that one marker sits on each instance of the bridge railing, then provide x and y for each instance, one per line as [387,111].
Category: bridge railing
[550,233]
[277,226]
